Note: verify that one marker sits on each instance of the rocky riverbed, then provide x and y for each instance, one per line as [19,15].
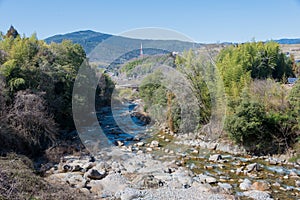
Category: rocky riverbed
[118,174]
[169,166]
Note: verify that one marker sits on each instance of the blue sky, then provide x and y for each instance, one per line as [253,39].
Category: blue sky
[204,21]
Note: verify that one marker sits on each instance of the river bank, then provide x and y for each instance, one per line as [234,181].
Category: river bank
[164,167]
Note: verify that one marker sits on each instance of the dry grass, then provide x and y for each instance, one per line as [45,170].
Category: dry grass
[18,181]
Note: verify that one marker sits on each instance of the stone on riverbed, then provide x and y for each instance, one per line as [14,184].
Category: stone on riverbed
[206,179]
[297,183]
[215,157]
[226,187]
[253,167]
[154,143]
[273,161]
[258,195]
[140,144]
[130,194]
[76,180]
[245,185]
[95,174]
[261,185]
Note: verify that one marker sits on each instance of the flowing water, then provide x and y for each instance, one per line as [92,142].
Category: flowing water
[118,125]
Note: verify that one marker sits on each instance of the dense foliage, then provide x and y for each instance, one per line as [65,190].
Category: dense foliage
[261,112]
[256,60]
[260,115]
[36,90]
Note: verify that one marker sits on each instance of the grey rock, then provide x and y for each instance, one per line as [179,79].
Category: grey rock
[67,168]
[226,187]
[154,143]
[95,174]
[130,194]
[245,185]
[96,187]
[297,183]
[206,179]
[258,195]
[89,165]
[140,144]
[76,168]
[276,184]
[253,167]
[212,146]
[215,157]
[76,180]
[273,162]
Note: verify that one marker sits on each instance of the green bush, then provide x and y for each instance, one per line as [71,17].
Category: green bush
[247,122]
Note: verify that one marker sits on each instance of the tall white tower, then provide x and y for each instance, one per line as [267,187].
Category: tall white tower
[141,51]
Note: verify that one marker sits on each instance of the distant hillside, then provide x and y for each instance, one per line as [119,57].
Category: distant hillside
[88,39]
[288,41]
[116,47]
[117,50]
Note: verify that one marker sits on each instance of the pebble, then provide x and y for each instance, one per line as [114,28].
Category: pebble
[140,144]
[149,149]
[297,183]
[154,143]
[273,162]
[276,184]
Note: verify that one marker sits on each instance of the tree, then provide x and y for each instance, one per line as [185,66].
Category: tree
[12,32]
[196,70]
[246,124]
[256,60]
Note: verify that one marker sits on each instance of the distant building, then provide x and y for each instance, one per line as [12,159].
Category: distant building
[287,54]
[292,80]
[175,53]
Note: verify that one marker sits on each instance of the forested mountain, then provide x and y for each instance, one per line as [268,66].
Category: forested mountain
[90,39]
[87,39]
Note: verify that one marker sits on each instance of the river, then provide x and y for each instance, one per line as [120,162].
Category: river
[118,125]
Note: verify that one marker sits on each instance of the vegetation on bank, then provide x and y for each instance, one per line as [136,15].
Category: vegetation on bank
[36,91]
[262,113]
